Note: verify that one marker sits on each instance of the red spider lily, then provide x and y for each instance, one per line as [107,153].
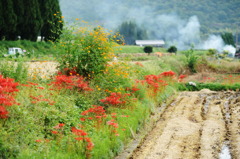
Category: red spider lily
[98,110]
[71,82]
[115,125]
[59,126]
[33,84]
[155,82]
[90,146]
[40,88]
[182,76]
[78,132]
[54,132]
[79,138]
[7,89]
[115,99]
[3,112]
[168,74]
[38,140]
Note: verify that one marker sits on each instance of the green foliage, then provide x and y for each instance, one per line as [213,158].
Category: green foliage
[228,38]
[211,86]
[29,18]
[52,20]
[32,20]
[17,71]
[148,49]
[86,51]
[212,52]
[191,60]
[172,49]
[9,20]
[131,32]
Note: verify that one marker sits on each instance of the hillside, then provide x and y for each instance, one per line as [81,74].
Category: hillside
[214,15]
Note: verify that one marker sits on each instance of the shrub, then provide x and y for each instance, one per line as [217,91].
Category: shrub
[191,60]
[172,49]
[148,49]
[85,50]
[212,52]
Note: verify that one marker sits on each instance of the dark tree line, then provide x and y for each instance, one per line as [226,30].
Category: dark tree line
[30,19]
[131,32]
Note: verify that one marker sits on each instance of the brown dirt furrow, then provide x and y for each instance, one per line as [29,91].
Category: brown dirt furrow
[234,130]
[196,125]
[179,134]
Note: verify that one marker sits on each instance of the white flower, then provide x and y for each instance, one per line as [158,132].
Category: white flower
[192,84]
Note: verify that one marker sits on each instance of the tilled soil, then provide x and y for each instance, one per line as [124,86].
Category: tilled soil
[195,125]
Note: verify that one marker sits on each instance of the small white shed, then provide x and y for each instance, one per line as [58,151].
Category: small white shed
[156,43]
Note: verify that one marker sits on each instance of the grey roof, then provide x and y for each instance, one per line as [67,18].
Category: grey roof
[150,42]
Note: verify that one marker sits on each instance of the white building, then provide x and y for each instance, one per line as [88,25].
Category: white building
[155,43]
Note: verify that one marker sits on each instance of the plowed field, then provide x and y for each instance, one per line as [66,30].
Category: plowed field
[204,124]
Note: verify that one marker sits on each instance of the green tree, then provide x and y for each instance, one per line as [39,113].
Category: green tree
[19,10]
[132,32]
[32,20]
[228,38]
[1,21]
[148,49]
[52,19]
[172,49]
[9,19]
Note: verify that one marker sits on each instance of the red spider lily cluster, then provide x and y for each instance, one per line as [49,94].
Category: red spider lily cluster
[96,112]
[168,74]
[157,82]
[154,82]
[181,77]
[82,137]
[70,72]
[7,89]
[115,99]
[71,82]
[133,89]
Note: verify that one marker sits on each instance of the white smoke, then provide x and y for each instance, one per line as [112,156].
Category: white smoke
[213,42]
[230,49]
[216,42]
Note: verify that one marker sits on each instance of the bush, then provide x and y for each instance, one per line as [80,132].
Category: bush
[86,51]
[148,49]
[172,49]
[212,52]
[191,60]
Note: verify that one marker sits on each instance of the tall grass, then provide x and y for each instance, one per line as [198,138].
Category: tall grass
[15,70]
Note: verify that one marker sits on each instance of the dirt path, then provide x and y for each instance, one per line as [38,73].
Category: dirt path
[201,125]
[42,69]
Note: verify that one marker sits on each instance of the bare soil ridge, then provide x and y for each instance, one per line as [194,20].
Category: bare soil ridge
[195,125]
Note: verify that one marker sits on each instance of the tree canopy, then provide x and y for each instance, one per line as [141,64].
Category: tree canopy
[29,19]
